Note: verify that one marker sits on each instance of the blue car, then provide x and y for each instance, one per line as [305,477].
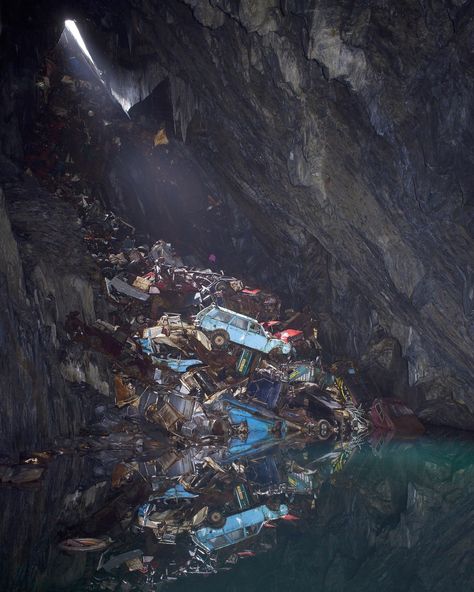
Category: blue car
[258,420]
[265,391]
[225,325]
[178,365]
[237,528]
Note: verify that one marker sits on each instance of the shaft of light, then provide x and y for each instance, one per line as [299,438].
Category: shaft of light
[72,28]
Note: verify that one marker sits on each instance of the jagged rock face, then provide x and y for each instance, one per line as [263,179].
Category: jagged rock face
[45,271]
[342,130]
[44,275]
[31,519]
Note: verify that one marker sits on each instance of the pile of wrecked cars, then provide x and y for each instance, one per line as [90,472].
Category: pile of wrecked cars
[233,420]
[235,394]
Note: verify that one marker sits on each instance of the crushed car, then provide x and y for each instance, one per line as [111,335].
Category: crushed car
[224,326]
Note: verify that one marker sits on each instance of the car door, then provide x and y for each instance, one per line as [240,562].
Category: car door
[255,337]
[220,320]
[207,320]
[237,329]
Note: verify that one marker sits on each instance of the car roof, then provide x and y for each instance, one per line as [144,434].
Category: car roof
[236,314]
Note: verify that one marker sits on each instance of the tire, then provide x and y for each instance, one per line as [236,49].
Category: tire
[215,518]
[324,429]
[220,285]
[275,354]
[219,338]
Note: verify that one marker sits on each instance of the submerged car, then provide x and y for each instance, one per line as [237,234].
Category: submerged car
[225,325]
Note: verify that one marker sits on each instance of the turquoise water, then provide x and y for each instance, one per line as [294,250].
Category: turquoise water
[399,519]
[392,516]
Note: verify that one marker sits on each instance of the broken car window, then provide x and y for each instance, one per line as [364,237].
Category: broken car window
[240,323]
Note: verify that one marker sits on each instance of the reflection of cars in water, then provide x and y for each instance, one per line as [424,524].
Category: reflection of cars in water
[256,418]
[237,528]
[217,514]
[169,522]
[224,325]
[223,517]
[393,415]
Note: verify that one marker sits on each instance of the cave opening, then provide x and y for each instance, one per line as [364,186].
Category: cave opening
[71,27]
[237,295]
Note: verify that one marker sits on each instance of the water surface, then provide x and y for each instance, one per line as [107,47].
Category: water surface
[386,516]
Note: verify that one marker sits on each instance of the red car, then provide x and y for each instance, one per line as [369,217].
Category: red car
[394,416]
[287,335]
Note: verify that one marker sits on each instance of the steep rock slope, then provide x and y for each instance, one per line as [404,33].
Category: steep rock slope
[44,275]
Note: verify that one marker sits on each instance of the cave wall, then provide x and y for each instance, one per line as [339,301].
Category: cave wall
[343,131]
[44,275]
[48,384]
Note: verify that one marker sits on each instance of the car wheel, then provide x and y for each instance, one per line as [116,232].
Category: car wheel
[324,429]
[215,518]
[219,338]
[218,286]
[276,355]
